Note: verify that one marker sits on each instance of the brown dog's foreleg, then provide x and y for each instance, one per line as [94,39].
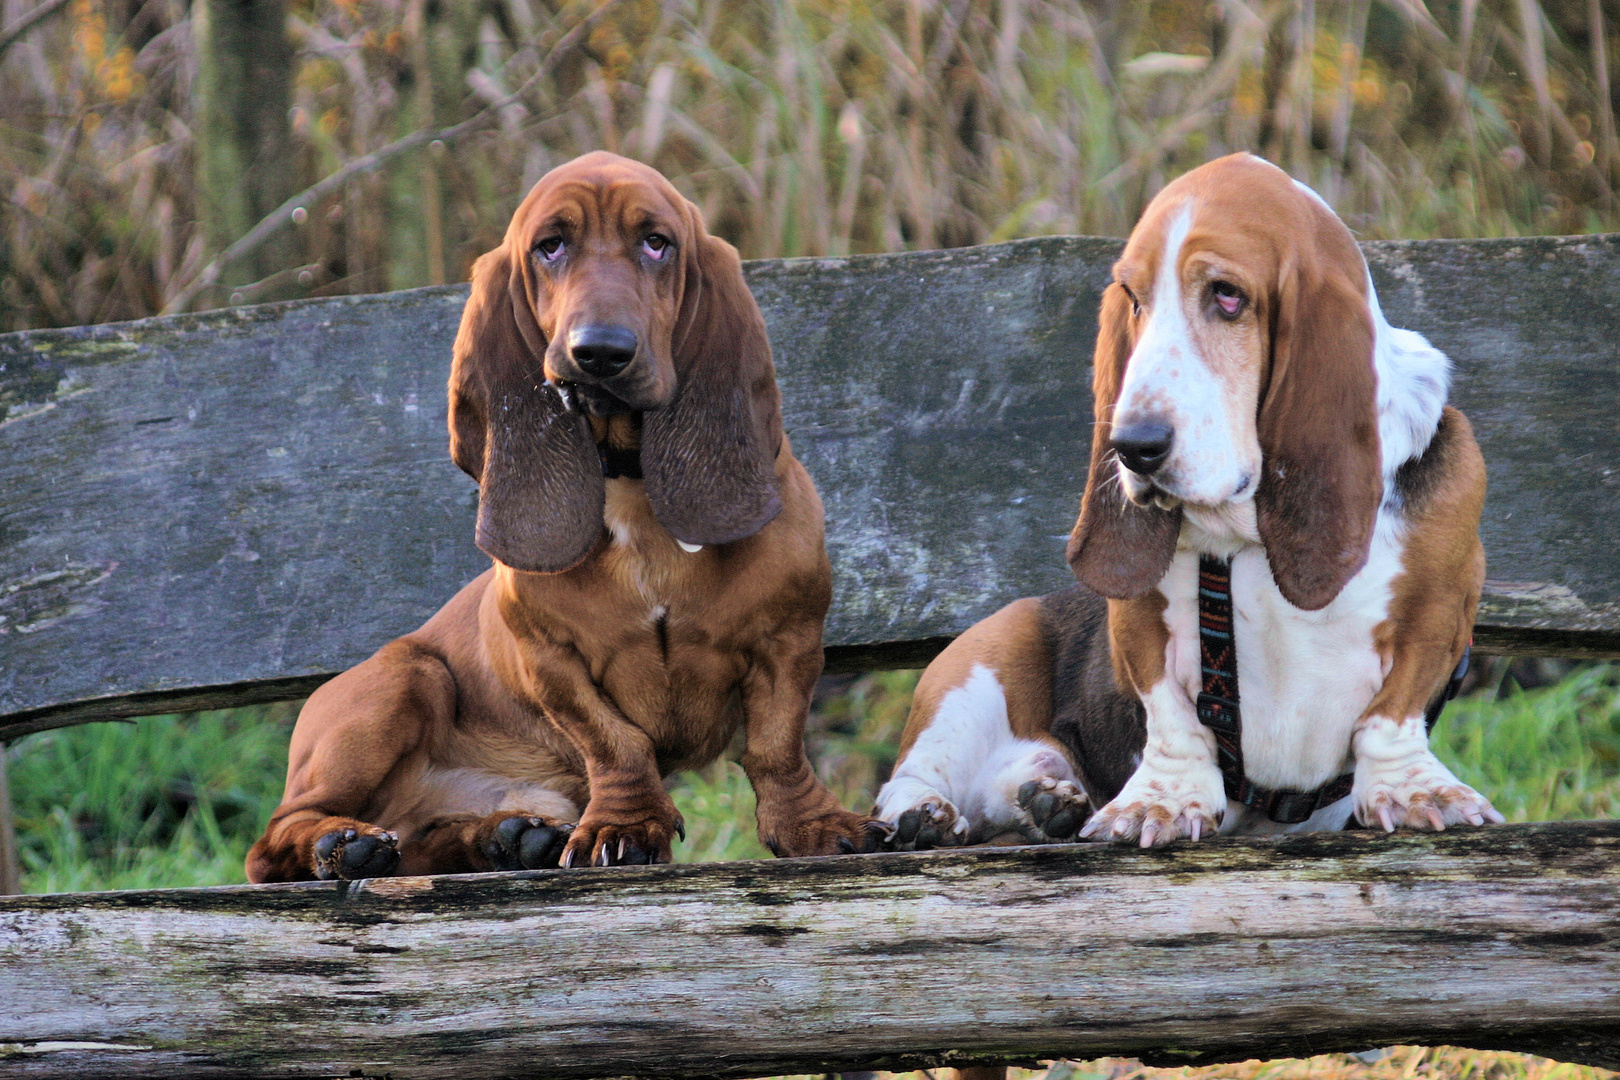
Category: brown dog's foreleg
[352,734]
[629,818]
[797,814]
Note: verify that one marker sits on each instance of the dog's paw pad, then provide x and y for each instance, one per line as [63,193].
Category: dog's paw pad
[934,822]
[350,854]
[1056,808]
[526,842]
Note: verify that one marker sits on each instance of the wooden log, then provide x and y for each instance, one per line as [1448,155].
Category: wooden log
[221,508]
[1504,938]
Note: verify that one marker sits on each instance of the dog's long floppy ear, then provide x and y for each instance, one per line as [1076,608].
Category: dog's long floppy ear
[708,458]
[1321,479]
[1119,549]
[540,491]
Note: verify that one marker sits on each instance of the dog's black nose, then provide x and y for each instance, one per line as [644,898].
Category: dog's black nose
[1143,447]
[602,351]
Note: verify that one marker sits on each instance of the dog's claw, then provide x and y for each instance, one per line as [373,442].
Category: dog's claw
[1195,828]
[1385,819]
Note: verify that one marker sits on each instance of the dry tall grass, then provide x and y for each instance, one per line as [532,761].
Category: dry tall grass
[803,127]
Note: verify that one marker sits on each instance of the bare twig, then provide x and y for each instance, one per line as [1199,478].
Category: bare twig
[13,33]
[283,214]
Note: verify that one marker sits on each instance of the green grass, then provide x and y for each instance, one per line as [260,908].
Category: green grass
[172,801]
[1540,755]
[163,802]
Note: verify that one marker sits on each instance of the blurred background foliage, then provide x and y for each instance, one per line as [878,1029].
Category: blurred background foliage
[140,139]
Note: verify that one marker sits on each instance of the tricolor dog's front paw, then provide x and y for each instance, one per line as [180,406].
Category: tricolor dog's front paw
[1422,794]
[1156,807]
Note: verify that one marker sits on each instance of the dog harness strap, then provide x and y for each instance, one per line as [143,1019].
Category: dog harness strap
[1219,710]
[617,462]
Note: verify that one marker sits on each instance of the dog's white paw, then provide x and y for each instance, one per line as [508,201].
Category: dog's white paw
[1421,794]
[1158,806]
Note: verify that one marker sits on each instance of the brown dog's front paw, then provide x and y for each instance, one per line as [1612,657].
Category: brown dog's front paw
[523,841]
[624,838]
[837,833]
[354,852]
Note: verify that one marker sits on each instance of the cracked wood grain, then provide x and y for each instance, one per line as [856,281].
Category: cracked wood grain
[1502,938]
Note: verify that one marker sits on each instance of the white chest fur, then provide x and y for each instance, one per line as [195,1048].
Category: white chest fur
[1304,677]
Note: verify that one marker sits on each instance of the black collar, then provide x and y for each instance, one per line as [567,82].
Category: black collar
[617,462]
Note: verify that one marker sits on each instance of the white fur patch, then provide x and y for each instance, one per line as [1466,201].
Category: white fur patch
[1414,378]
[969,758]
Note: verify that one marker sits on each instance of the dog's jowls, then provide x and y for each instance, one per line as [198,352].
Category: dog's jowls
[659,575]
[1252,404]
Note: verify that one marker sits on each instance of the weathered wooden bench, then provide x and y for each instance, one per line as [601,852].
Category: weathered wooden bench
[227,508]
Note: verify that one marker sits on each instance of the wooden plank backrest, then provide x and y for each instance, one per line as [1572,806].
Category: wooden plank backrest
[229,507]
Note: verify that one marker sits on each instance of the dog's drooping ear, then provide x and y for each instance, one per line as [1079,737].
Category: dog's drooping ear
[540,490]
[709,456]
[1321,484]
[1118,549]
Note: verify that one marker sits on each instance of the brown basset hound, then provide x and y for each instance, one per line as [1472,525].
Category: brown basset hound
[1256,413]
[659,574]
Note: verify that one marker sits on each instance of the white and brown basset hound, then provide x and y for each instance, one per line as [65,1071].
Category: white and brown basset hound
[1256,414]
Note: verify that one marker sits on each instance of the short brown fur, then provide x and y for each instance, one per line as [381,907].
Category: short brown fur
[595,656]
[1012,643]
[1431,612]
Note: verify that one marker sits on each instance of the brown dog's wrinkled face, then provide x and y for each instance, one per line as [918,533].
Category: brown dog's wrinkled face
[604,244]
[609,297]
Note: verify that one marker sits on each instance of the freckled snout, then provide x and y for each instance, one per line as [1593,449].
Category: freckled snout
[602,350]
[1143,446]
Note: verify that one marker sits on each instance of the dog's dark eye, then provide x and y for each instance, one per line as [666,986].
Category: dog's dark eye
[1136,308]
[551,248]
[656,245]
[1228,298]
